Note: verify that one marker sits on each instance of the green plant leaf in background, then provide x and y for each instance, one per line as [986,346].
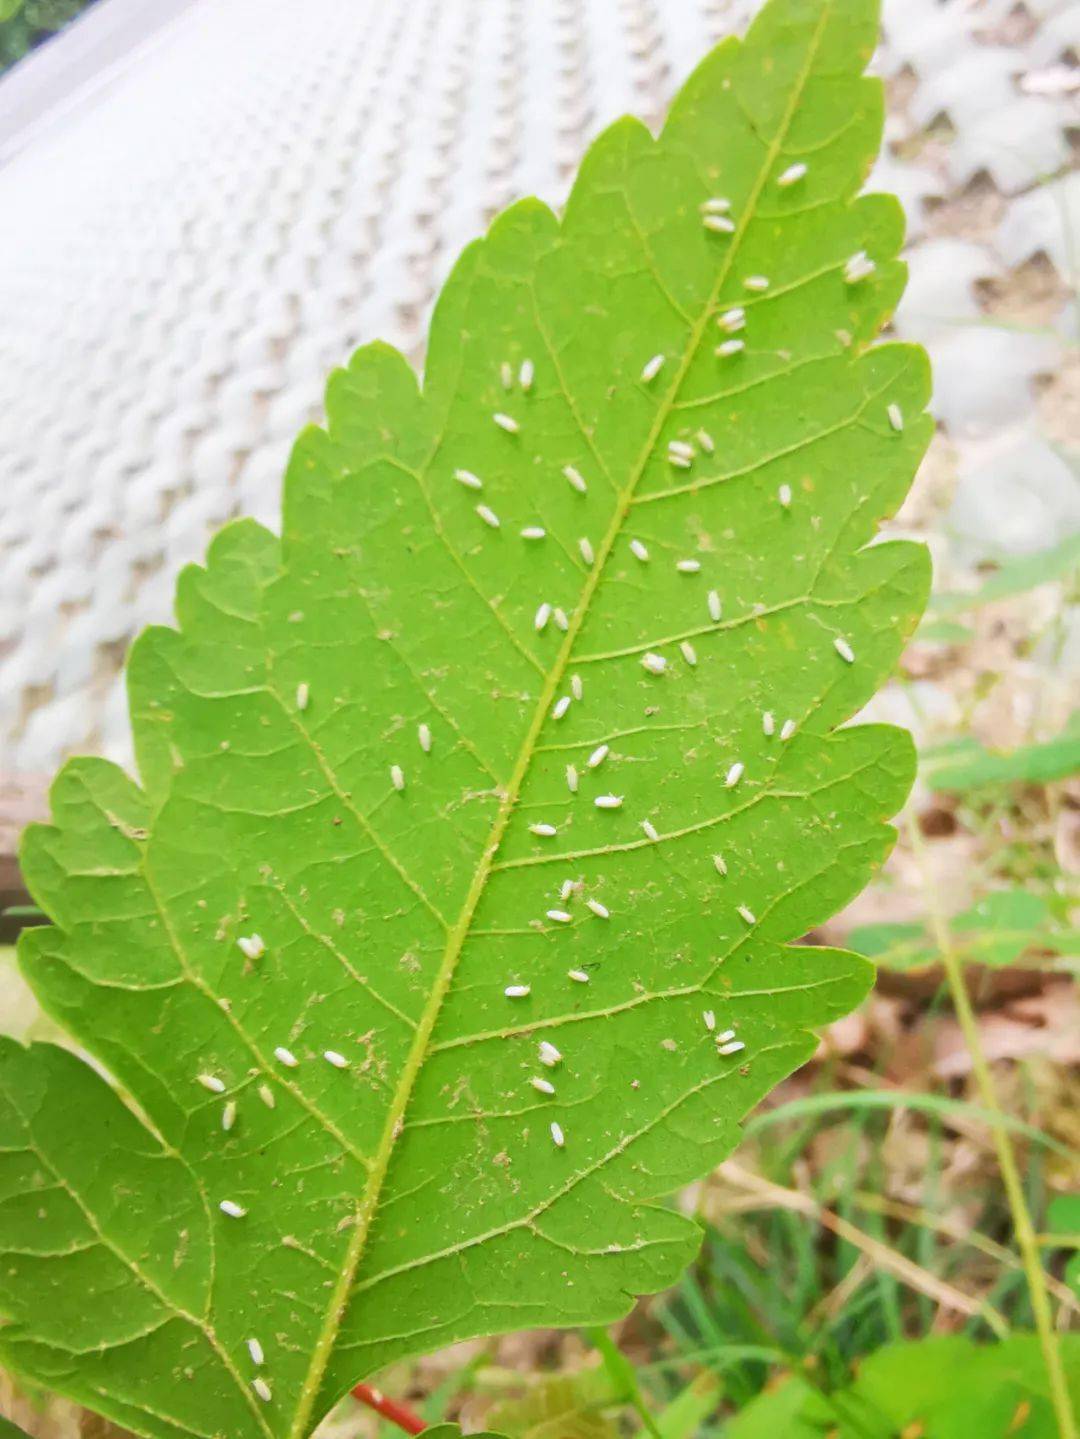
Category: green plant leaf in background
[965,764]
[471,819]
[1005,927]
[560,1406]
[938,1388]
[451,1431]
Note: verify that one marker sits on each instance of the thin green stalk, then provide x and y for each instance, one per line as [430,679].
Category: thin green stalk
[1024,1229]
[623,1378]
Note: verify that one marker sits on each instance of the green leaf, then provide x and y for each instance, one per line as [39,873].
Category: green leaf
[561,1406]
[11,1431]
[1015,577]
[966,764]
[938,1388]
[683,1417]
[451,1431]
[1005,927]
[415,1196]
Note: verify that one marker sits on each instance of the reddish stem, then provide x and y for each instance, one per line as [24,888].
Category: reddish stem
[399,1414]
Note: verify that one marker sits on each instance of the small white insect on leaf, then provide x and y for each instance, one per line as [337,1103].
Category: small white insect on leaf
[792,175]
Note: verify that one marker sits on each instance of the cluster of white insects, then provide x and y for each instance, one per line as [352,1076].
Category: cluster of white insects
[681,454]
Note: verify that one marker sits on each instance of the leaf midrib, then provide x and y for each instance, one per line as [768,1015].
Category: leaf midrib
[459,931]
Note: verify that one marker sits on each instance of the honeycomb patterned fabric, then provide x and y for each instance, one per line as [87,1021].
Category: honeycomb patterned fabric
[193,242]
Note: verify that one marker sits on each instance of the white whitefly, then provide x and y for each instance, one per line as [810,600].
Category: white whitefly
[232,1209]
[488,515]
[544,830]
[858,268]
[578,976]
[734,774]
[730,347]
[212,1083]
[567,888]
[768,723]
[558,1138]
[468,479]
[688,567]
[577,686]
[756,282]
[639,551]
[262,1389]
[600,910]
[715,205]
[680,462]
[576,478]
[783,494]
[747,914]
[843,649]
[534,532]
[652,368]
[526,375]
[543,614]
[733,1048]
[517,991]
[727,1035]
[732,320]
[705,440]
[896,417]
[303,694]
[561,620]
[716,608]
[598,756]
[549,1055]
[572,778]
[423,734]
[586,550]
[266,1094]
[545,1086]
[397,777]
[710,1019]
[561,705]
[651,832]
[228,1115]
[681,447]
[654,663]
[608,801]
[334,1057]
[719,863]
[506,374]
[689,653]
[506,422]
[792,175]
[719,223]
[558,916]
[787,729]
[251,946]
[286,1057]
[255,1349]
